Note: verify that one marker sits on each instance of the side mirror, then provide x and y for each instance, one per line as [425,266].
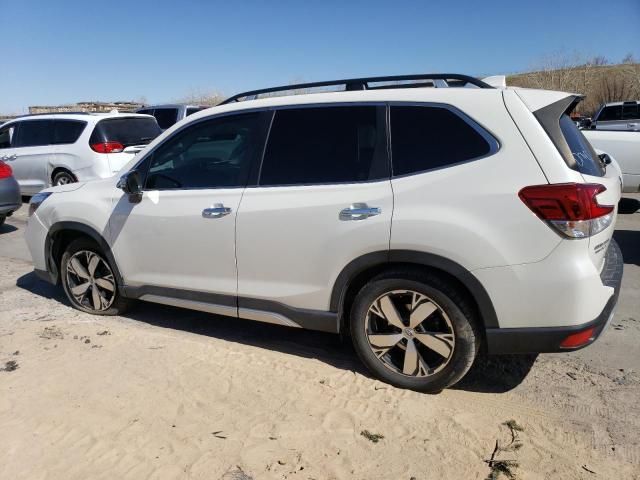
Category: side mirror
[131,183]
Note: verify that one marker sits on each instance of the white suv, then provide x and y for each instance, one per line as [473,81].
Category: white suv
[56,149]
[428,223]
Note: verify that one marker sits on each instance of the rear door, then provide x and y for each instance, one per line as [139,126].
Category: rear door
[631,115]
[323,199]
[32,154]
[123,137]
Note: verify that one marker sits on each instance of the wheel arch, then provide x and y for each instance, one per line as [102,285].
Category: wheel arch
[61,234]
[355,274]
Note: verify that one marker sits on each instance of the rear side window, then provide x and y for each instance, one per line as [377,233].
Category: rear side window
[67,131]
[611,113]
[192,110]
[321,145]
[34,133]
[127,131]
[424,138]
[630,111]
[166,117]
[587,161]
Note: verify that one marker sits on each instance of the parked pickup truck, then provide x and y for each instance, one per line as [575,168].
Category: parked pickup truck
[618,116]
[624,147]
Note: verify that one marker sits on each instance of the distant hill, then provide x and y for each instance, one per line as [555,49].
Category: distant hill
[599,83]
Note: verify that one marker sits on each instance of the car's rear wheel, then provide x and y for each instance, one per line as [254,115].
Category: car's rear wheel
[89,281]
[414,330]
[63,178]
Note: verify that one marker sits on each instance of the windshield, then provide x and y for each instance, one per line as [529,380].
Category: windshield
[127,131]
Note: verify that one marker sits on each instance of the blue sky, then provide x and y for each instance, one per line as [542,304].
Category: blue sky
[66,51]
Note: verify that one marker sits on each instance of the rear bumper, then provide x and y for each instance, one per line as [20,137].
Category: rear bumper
[549,339]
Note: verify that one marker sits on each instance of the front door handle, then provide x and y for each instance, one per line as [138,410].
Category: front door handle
[632,125]
[359,211]
[217,211]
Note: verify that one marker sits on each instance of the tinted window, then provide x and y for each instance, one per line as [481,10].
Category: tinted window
[191,110]
[211,154]
[67,131]
[166,117]
[630,112]
[6,135]
[127,131]
[325,145]
[423,138]
[34,133]
[611,113]
[146,112]
[587,161]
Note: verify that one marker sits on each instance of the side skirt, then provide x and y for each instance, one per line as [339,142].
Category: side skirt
[266,311]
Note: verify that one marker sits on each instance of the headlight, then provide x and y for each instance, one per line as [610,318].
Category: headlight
[36,201]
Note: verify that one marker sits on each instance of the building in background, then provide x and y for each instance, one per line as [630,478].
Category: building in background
[90,107]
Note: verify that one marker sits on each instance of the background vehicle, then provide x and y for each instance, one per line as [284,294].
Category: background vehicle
[624,147]
[56,149]
[428,223]
[168,115]
[618,116]
[10,199]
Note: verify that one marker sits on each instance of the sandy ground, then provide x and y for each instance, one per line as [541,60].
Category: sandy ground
[165,393]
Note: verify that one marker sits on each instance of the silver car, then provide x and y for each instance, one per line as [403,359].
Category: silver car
[618,116]
[168,115]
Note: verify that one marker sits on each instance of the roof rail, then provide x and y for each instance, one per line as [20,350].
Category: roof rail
[439,80]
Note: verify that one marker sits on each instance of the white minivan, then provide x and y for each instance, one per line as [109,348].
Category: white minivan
[55,149]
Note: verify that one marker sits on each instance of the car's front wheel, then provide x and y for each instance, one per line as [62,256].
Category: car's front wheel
[414,330]
[89,281]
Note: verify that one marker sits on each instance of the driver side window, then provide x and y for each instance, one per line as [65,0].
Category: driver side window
[6,136]
[216,153]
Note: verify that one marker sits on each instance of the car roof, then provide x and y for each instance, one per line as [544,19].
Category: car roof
[83,116]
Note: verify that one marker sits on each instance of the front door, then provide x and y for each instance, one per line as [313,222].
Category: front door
[178,242]
[30,154]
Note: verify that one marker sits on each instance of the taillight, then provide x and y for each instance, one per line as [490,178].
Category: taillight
[107,147]
[5,170]
[571,208]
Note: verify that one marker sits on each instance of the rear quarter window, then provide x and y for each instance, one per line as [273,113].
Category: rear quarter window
[425,137]
[127,131]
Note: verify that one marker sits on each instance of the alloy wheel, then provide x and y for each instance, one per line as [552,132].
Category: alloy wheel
[63,180]
[410,333]
[90,280]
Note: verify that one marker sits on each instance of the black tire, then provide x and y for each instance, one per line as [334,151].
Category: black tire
[116,305]
[454,316]
[62,178]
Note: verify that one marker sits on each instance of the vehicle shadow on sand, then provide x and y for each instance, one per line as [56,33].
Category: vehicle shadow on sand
[629,243]
[488,375]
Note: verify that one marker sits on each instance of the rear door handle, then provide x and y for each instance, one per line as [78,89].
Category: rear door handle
[359,211]
[7,158]
[217,211]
